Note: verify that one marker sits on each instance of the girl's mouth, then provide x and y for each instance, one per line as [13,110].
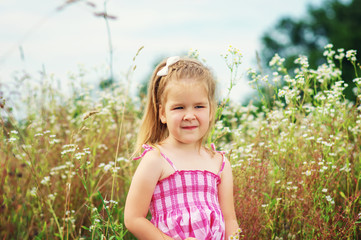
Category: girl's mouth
[189,127]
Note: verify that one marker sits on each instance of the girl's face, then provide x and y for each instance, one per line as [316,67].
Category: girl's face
[186,112]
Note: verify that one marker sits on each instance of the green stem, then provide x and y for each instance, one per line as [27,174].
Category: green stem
[109,216]
[109,42]
[55,219]
[355,68]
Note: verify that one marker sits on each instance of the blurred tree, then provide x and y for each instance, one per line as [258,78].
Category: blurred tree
[335,21]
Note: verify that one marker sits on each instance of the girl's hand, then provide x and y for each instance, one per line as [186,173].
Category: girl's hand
[190,238]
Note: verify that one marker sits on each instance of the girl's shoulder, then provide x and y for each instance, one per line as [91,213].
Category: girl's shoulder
[216,160]
[150,164]
[217,156]
[214,154]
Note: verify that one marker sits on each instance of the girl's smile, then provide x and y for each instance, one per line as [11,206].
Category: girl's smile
[189,127]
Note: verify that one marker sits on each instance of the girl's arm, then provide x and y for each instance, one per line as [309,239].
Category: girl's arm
[226,202]
[139,196]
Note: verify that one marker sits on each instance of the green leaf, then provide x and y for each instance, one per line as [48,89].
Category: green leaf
[267,196]
[343,195]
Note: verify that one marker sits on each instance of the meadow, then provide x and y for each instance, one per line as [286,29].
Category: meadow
[67,164]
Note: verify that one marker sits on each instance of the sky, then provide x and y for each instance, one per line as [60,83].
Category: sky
[36,35]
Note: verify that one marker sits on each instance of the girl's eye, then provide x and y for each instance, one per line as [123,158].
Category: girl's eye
[200,106]
[177,108]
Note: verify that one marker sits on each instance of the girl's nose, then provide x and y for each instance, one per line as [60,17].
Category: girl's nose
[189,116]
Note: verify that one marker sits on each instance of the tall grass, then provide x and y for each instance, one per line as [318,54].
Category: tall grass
[65,168]
[297,162]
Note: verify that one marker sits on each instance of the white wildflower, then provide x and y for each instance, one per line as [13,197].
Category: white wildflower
[45,180]
[329,199]
[51,196]
[33,191]
[107,167]
[357,81]
[276,60]
[281,93]
[351,55]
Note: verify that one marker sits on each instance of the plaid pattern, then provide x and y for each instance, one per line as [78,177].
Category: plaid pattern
[185,204]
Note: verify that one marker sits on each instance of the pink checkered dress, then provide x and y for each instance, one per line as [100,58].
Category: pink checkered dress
[185,204]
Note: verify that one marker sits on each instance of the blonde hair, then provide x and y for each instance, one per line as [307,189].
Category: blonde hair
[152,130]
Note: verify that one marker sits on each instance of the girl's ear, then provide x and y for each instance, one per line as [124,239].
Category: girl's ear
[162,117]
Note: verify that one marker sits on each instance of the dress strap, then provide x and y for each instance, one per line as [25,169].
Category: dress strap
[148,148]
[223,158]
[169,161]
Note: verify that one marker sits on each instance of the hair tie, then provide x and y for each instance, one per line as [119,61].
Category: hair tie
[170,62]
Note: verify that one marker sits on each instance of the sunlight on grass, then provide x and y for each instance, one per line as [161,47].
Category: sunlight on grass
[296,155]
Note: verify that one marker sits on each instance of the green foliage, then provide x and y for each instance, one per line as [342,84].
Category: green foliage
[335,22]
[297,163]
[65,152]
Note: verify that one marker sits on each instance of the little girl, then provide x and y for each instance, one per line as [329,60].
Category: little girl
[187,187]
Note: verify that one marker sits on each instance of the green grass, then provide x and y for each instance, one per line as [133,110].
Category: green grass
[296,157]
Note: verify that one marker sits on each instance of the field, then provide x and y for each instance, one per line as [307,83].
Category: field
[296,155]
